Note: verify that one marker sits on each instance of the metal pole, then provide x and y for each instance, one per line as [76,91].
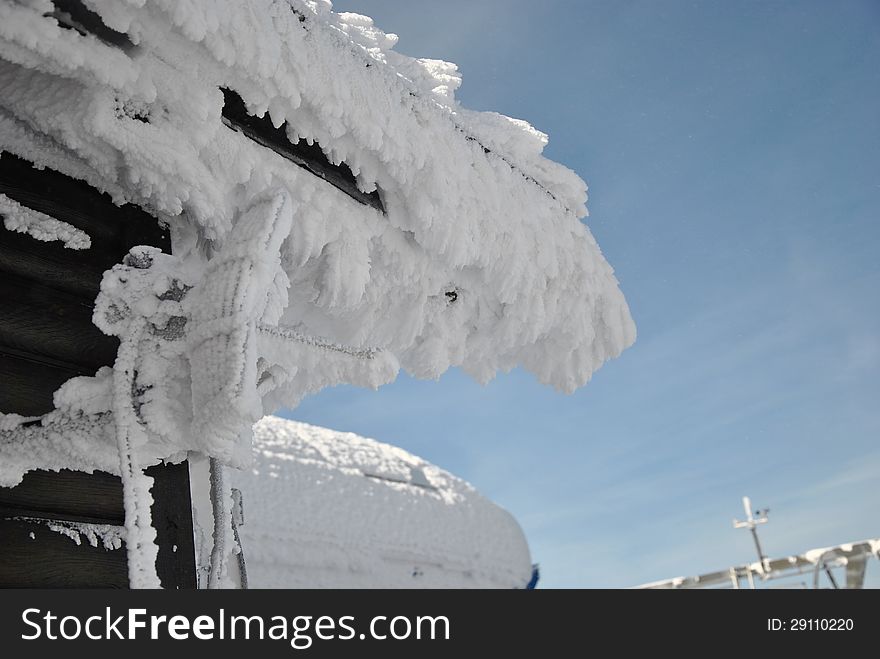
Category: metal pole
[761,556]
[751,523]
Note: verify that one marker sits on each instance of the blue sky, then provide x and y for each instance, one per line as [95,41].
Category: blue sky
[732,151]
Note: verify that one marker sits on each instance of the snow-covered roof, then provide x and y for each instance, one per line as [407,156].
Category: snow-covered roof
[334,213]
[328,509]
[280,283]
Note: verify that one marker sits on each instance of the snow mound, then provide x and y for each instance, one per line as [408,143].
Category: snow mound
[328,509]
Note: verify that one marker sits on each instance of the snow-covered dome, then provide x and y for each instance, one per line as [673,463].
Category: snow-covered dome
[329,509]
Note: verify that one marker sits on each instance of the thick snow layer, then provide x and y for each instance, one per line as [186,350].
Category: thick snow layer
[40,226]
[328,509]
[280,284]
[55,442]
[472,205]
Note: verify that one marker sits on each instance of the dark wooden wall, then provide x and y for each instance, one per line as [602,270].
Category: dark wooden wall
[47,337]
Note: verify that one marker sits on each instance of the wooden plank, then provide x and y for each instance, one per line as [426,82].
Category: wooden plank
[75,271]
[113,229]
[26,386]
[66,494]
[305,155]
[52,560]
[172,519]
[97,498]
[43,322]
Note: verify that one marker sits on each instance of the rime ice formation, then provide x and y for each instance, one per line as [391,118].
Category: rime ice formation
[279,283]
[327,509]
[40,226]
[108,536]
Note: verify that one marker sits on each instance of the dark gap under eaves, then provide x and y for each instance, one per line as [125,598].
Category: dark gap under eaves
[74,15]
[308,156]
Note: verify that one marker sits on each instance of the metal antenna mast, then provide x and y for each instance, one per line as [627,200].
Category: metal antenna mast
[853,556]
[751,522]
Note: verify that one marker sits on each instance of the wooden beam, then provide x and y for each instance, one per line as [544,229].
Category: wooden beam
[66,495]
[74,271]
[172,519]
